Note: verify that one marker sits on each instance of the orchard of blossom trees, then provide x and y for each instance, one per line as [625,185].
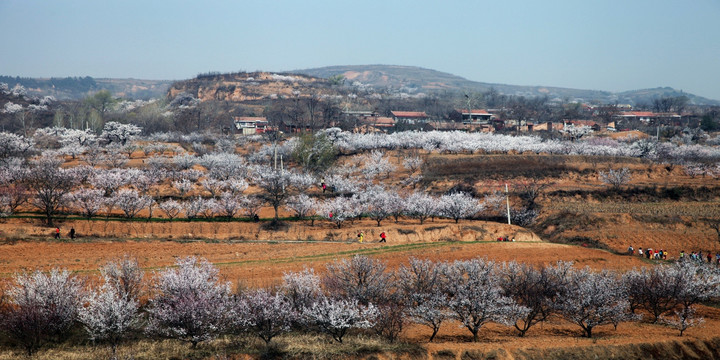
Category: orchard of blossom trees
[69,171]
[190,303]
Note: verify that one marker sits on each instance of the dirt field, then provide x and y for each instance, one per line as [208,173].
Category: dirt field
[249,256]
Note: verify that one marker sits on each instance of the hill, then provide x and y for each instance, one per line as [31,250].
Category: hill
[72,88]
[426,79]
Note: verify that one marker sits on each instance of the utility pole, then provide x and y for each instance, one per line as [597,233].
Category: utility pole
[507,199]
[469,110]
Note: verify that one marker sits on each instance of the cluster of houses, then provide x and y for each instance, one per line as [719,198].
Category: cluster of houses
[475,120]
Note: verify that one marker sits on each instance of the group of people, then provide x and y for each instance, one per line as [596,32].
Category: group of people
[649,253]
[505,238]
[324,187]
[361,237]
[661,254]
[700,257]
[71,233]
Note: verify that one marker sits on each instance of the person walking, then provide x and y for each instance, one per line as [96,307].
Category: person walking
[361,236]
[72,233]
[57,232]
[631,251]
[382,237]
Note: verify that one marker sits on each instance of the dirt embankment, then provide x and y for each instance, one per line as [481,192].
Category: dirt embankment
[708,349]
[403,231]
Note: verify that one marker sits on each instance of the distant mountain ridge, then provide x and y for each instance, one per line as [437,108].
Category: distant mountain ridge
[410,78]
[398,76]
[73,88]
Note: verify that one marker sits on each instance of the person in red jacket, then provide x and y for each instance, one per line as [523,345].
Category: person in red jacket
[382,237]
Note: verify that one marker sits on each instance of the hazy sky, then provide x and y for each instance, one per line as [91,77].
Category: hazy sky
[588,44]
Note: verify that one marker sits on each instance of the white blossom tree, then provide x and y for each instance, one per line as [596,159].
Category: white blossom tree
[183,186]
[476,296]
[195,207]
[171,208]
[589,299]
[213,186]
[376,164]
[412,163]
[458,206]
[302,289]
[421,206]
[50,185]
[115,132]
[12,145]
[337,316]
[89,201]
[264,314]
[42,306]
[109,315]
[359,278]
[235,186]
[337,210]
[421,284]
[130,202]
[109,180]
[302,205]
[379,203]
[275,184]
[229,204]
[125,275]
[191,304]
[536,289]
[251,205]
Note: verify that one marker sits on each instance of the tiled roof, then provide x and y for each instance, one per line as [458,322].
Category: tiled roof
[473,111]
[250,118]
[409,114]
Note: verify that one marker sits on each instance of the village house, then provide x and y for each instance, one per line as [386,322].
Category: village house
[381,123]
[649,117]
[251,125]
[592,124]
[411,117]
[474,116]
[444,126]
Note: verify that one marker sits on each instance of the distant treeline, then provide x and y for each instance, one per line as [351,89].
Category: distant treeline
[71,84]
